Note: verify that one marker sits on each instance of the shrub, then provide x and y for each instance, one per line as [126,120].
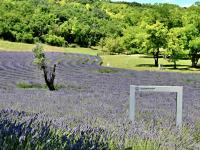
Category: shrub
[25,37]
[54,40]
[133,51]
[114,45]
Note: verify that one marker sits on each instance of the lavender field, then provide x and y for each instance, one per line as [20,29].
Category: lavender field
[97,97]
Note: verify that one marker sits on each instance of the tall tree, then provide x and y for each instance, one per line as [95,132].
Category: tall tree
[156,39]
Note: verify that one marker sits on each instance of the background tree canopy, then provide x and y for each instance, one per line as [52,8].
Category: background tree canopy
[120,27]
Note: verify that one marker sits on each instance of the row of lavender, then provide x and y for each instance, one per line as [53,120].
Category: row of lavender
[31,134]
[100,100]
[21,130]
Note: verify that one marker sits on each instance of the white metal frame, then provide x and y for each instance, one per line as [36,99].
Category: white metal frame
[179,99]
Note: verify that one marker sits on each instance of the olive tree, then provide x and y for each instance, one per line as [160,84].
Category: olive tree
[49,72]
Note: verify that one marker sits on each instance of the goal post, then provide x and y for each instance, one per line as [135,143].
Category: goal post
[142,88]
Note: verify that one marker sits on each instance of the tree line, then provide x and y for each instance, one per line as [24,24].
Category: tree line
[160,29]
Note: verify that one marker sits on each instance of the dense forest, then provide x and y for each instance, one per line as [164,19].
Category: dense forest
[117,27]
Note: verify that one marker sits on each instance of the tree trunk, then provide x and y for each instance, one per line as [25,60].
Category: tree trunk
[194,60]
[193,63]
[49,76]
[174,64]
[156,55]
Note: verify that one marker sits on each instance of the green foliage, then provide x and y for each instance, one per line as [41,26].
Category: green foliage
[102,43]
[156,39]
[175,45]
[25,37]
[39,55]
[156,36]
[195,44]
[114,45]
[54,40]
[129,38]
[134,39]
[189,32]
[194,51]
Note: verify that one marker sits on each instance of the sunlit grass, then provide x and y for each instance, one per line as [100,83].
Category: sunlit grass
[23,47]
[141,62]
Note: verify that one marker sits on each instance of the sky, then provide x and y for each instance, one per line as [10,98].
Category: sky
[183,3]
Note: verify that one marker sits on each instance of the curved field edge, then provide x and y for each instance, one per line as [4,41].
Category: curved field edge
[133,62]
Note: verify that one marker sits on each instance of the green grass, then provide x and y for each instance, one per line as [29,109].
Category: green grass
[26,85]
[134,62]
[14,46]
[141,62]
[23,47]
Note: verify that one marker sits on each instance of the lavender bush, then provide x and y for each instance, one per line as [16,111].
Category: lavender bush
[30,134]
[96,99]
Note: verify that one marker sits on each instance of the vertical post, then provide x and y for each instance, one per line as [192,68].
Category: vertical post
[132,103]
[179,107]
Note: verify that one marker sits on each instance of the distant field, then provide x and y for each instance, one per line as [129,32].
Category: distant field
[134,62]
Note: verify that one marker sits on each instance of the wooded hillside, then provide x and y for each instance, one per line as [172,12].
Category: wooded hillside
[116,27]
